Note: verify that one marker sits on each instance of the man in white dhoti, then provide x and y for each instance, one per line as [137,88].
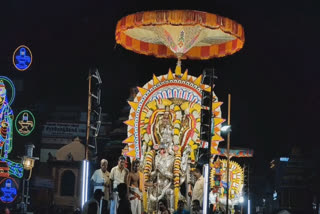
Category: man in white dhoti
[101,180]
[135,195]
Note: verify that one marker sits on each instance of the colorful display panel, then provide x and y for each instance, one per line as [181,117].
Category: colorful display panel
[25,123]
[22,58]
[6,129]
[218,181]
[8,190]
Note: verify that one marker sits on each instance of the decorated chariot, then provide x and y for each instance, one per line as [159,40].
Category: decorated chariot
[165,116]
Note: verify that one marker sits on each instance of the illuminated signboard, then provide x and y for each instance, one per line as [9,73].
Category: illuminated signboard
[22,58]
[67,130]
[8,190]
[25,123]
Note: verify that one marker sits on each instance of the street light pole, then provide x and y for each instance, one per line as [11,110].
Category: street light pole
[28,163]
[228,152]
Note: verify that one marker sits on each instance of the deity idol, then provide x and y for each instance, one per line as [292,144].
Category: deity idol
[162,177]
[166,165]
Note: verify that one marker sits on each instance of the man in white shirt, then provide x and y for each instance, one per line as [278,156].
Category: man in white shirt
[118,175]
[197,193]
[101,180]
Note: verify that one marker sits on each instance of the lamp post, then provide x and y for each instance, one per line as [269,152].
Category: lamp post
[28,164]
[227,129]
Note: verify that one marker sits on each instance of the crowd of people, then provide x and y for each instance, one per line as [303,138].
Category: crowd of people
[119,192]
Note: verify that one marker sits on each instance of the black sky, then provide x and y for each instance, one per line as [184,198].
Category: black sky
[273,79]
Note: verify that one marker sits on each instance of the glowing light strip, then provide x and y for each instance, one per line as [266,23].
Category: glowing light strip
[83,182]
[205,189]
[87,180]
[249,206]
[284,159]
[85,173]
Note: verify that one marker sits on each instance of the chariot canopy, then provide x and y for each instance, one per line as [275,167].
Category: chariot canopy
[182,34]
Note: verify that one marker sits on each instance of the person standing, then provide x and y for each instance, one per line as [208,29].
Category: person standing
[101,180]
[196,207]
[163,208]
[135,194]
[181,209]
[118,175]
[124,203]
[92,205]
[197,193]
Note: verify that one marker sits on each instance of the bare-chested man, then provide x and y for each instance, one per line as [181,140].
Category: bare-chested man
[133,185]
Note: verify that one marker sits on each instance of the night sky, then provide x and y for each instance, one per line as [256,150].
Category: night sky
[273,79]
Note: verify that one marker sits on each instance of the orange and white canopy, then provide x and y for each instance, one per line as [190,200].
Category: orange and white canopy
[184,34]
